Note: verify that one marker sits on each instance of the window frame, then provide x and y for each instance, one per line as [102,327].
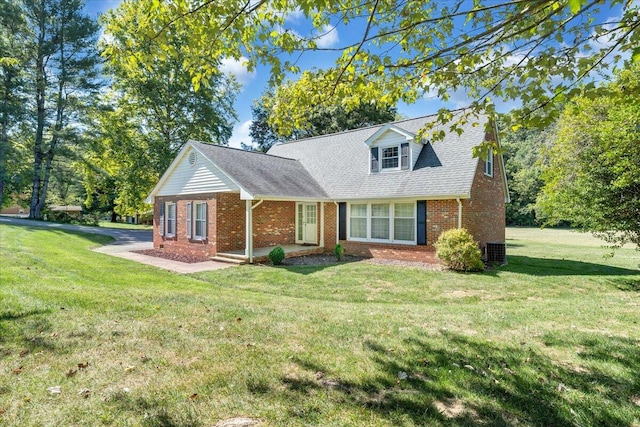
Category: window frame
[391,218]
[397,149]
[168,208]
[203,221]
[488,163]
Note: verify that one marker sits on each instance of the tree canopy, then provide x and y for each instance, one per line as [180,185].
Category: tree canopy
[592,171]
[536,51]
[322,120]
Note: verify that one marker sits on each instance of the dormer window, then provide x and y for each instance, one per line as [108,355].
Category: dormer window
[392,157]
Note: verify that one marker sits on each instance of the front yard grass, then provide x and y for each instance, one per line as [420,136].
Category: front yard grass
[550,339]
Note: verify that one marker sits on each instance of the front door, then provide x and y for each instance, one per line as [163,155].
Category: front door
[307,223]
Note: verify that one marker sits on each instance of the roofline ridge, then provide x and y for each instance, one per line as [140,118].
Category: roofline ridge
[240,149]
[292,141]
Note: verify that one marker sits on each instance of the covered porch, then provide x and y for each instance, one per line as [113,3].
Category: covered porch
[262,254]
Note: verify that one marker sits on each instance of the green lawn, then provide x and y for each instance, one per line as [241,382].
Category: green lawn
[551,339]
[124,225]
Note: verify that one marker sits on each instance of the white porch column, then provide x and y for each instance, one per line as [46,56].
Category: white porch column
[322,224]
[248,248]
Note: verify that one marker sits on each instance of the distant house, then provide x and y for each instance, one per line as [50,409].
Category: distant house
[378,191]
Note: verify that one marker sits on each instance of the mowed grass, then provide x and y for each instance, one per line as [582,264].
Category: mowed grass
[551,339]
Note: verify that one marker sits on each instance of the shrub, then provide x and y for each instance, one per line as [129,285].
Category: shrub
[276,255]
[457,249]
[339,251]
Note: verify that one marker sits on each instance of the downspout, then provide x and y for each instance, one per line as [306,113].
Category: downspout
[459,212]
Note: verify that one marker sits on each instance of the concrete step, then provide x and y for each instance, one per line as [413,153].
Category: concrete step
[230,260]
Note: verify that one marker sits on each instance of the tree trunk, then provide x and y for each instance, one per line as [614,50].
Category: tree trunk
[38,154]
[4,132]
[114,216]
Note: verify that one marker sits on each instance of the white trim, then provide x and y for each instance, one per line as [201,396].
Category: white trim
[407,135]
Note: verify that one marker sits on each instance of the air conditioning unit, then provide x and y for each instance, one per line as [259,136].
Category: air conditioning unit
[496,252]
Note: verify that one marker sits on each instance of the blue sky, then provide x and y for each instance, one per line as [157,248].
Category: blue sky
[254,84]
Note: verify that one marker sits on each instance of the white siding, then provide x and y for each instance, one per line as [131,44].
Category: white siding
[202,177]
[391,137]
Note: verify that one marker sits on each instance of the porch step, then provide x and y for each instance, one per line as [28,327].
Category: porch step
[230,258]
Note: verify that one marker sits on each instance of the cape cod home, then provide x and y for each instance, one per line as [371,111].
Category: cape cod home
[379,191]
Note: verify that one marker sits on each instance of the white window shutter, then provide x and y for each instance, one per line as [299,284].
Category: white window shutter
[189,220]
[161,225]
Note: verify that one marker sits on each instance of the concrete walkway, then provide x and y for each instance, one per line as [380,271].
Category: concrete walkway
[125,242]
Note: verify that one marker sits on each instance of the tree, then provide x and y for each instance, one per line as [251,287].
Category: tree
[13,33]
[537,51]
[322,120]
[592,171]
[522,155]
[64,61]
[152,112]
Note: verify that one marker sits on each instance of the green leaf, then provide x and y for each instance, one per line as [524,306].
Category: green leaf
[574,6]
[635,55]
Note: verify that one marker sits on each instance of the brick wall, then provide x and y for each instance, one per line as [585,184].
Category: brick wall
[389,251]
[180,243]
[274,223]
[230,217]
[442,215]
[484,213]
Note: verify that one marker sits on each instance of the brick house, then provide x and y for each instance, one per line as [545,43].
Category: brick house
[378,191]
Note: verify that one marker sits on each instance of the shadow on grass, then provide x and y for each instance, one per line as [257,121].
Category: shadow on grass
[455,380]
[561,267]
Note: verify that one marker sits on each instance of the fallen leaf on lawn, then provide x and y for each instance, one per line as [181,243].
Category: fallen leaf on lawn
[26,399]
[129,368]
[3,410]
[85,392]
[83,365]
[54,390]
[18,370]
[23,353]
[239,319]
[71,372]
[55,334]
[194,396]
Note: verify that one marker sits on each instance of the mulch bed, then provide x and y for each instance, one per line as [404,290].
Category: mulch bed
[189,259]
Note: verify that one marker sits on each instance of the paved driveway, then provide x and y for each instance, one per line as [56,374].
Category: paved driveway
[126,241]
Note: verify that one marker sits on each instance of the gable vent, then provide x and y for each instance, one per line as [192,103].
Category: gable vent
[192,158]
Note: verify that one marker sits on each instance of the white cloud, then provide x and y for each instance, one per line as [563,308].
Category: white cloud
[237,68]
[328,37]
[295,17]
[240,134]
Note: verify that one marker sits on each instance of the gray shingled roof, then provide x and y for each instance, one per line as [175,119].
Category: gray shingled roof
[262,174]
[340,163]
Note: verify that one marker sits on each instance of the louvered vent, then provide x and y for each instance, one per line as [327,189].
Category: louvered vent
[496,252]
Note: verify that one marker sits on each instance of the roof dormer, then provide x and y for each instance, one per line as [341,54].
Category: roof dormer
[392,149]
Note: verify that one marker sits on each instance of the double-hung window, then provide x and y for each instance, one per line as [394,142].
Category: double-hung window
[170,226]
[200,220]
[488,164]
[358,221]
[390,157]
[404,221]
[380,221]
